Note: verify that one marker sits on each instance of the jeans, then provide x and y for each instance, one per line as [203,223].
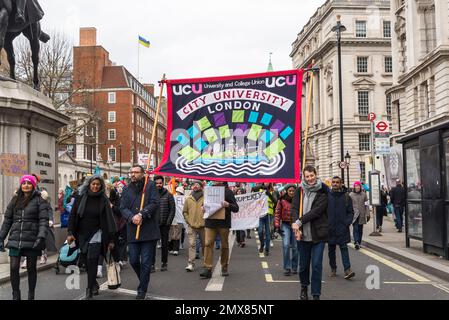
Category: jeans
[264,225]
[140,257]
[310,252]
[398,212]
[289,241]
[357,232]
[344,256]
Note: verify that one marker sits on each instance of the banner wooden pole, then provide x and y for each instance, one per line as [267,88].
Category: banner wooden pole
[150,153]
[306,135]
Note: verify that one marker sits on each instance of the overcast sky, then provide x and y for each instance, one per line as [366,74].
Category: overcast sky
[189,38]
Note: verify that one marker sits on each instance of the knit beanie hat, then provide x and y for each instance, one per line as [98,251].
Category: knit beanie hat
[30,179]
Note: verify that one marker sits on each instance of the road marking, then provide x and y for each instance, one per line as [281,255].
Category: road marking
[217,281]
[134,293]
[441,287]
[393,265]
[264,265]
[268,278]
[405,282]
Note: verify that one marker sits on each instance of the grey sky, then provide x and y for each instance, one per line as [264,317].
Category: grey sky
[193,38]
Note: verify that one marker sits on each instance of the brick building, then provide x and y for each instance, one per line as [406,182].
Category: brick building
[126,107]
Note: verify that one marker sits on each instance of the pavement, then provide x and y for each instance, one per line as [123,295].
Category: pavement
[392,244]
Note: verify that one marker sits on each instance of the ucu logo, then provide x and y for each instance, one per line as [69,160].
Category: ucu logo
[188,89]
[281,81]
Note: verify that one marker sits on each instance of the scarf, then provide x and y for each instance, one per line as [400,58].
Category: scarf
[82,206]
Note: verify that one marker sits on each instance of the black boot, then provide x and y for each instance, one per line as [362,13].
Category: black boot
[16,295]
[89,294]
[303,295]
[30,295]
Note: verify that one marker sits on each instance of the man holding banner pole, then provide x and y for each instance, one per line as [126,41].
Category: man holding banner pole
[143,249]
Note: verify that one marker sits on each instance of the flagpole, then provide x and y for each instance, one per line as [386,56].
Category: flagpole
[147,176]
[138,60]
[304,156]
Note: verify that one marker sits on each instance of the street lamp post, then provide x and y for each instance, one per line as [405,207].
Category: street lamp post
[348,161]
[339,28]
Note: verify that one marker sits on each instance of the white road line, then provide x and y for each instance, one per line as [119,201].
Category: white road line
[217,281]
[393,265]
[441,287]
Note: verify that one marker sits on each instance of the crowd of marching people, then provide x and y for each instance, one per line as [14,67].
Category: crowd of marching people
[128,219]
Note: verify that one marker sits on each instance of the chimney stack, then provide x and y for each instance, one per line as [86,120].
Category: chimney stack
[88,37]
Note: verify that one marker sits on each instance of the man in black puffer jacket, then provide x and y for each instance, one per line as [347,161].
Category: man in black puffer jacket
[167,211]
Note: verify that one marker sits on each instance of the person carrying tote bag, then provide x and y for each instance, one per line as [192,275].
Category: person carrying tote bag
[113,271]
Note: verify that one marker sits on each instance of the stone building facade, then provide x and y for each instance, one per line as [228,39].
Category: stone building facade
[367,72]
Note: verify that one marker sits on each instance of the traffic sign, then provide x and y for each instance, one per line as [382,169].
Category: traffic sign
[342,165]
[381,127]
[382,146]
[372,116]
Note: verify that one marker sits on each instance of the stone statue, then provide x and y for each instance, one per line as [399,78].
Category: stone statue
[22,16]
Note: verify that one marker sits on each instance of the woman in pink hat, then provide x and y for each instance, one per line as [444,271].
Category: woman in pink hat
[26,221]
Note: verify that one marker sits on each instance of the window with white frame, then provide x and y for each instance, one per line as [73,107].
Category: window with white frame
[112,154]
[388,106]
[360,29]
[111,134]
[364,142]
[362,171]
[111,97]
[388,64]
[387,29]
[363,103]
[111,116]
[362,64]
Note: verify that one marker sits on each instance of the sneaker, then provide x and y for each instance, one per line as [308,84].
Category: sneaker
[100,272]
[260,249]
[159,245]
[181,247]
[190,267]
[197,256]
[380,229]
[333,273]
[170,252]
[206,273]
[153,269]
[164,267]
[271,244]
[316,297]
[295,271]
[267,253]
[175,253]
[349,274]
[43,259]
[24,264]
[287,272]
[357,246]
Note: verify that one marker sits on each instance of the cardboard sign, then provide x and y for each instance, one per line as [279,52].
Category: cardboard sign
[13,165]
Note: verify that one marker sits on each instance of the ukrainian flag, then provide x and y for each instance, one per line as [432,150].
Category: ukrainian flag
[144,42]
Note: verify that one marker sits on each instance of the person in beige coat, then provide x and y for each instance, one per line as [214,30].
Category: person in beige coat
[193,215]
[361,213]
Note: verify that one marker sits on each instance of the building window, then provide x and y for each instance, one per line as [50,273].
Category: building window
[111,116]
[111,97]
[362,64]
[362,171]
[360,29]
[364,142]
[388,107]
[388,64]
[363,104]
[112,154]
[387,29]
[111,134]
